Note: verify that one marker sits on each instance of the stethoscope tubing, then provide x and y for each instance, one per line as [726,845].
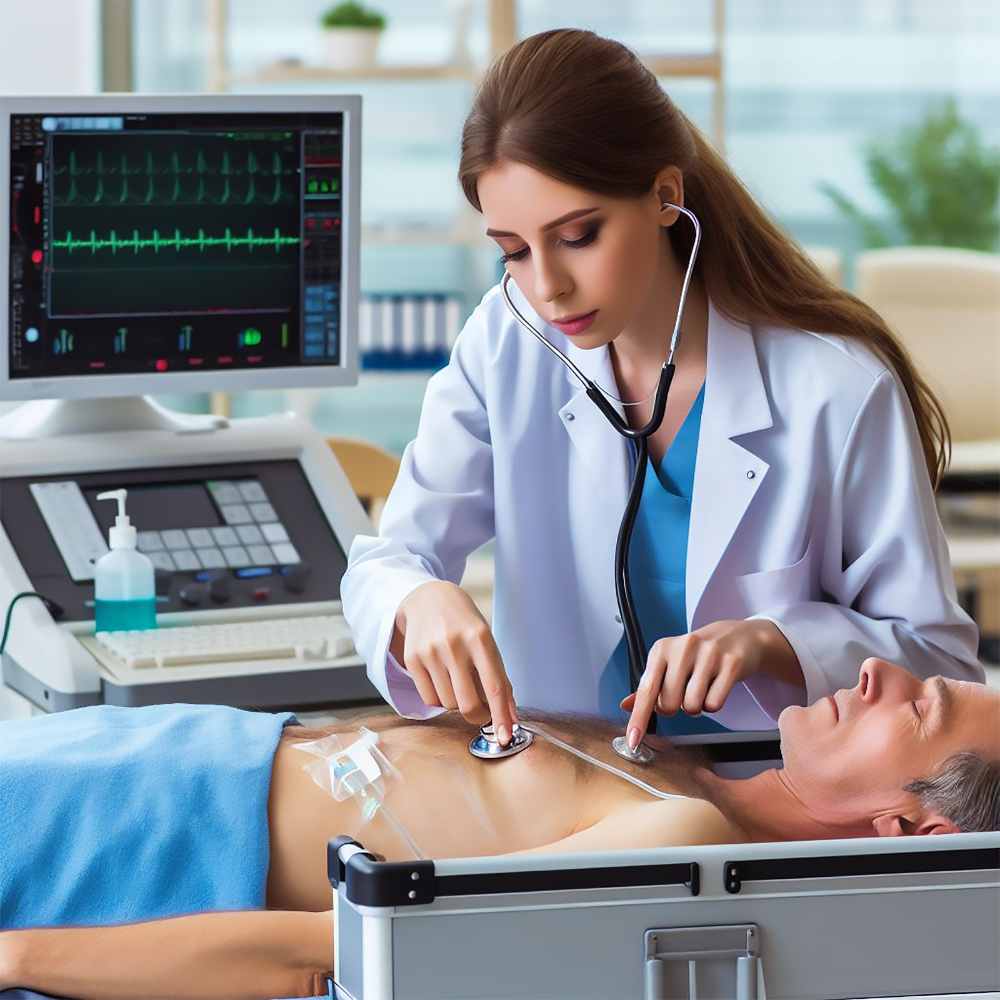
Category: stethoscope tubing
[640,439]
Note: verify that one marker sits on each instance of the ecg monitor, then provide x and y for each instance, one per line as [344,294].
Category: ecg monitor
[153,245]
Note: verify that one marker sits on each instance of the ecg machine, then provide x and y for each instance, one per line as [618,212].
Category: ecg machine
[155,246]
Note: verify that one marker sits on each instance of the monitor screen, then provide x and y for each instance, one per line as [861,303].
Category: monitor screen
[160,242]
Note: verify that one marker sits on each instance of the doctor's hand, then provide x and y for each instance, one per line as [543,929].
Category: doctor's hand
[697,671]
[449,651]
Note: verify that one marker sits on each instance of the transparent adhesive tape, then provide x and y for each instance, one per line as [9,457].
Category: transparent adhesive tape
[356,770]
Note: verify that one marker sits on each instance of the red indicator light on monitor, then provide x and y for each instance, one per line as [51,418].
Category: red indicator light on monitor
[161,365]
[36,256]
[38,214]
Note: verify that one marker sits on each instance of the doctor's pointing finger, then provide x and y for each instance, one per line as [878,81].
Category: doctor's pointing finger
[707,471]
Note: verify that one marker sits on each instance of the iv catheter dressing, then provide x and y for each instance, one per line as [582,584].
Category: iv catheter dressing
[640,438]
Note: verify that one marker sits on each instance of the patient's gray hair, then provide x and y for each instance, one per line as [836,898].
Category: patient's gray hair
[966,790]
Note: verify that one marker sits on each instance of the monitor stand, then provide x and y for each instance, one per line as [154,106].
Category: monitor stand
[45,418]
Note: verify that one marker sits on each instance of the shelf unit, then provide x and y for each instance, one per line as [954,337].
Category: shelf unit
[503,33]
[502,27]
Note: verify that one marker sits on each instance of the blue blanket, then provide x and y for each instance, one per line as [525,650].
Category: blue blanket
[110,815]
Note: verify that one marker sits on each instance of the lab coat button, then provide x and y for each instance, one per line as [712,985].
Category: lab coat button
[618,618]
[750,473]
[569,416]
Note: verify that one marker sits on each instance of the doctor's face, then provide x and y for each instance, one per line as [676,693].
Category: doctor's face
[849,756]
[607,255]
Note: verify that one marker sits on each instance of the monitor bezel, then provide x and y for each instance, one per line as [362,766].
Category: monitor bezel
[153,383]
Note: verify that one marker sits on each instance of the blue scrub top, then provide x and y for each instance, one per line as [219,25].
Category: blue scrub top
[657,564]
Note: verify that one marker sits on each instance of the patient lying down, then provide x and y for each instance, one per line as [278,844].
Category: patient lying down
[894,755]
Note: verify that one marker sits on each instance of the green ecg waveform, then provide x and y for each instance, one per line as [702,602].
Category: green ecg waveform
[117,180]
[158,241]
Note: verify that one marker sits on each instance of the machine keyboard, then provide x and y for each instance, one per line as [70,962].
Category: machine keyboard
[320,637]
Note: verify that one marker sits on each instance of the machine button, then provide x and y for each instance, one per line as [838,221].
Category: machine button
[162,560]
[149,541]
[174,539]
[285,553]
[186,559]
[253,572]
[236,555]
[211,558]
[225,536]
[262,593]
[224,492]
[237,513]
[219,589]
[263,512]
[249,534]
[252,492]
[261,554]
[274,532]
[194,594]
[199,538]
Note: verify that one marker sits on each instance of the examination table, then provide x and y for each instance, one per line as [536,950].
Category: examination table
[799,920]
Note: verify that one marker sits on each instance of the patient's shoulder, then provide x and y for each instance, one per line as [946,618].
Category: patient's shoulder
[695,821]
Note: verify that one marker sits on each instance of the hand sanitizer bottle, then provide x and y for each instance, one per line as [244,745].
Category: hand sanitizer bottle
[124,584]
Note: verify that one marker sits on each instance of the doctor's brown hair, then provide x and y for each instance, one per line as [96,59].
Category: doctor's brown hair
[584,110]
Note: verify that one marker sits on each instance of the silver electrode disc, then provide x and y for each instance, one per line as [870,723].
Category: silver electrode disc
[641,755]
[486,745]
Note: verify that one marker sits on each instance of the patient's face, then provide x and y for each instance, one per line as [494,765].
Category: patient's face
[850,756]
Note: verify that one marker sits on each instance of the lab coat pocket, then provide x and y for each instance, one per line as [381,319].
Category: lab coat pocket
[774,588]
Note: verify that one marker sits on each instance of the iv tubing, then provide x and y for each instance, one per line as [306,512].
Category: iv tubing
[402,831]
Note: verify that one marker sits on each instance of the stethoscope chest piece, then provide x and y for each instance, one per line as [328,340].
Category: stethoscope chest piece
[640,755]
[487,746]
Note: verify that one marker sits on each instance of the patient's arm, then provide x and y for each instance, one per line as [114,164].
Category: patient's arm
[254,953]
[669,823]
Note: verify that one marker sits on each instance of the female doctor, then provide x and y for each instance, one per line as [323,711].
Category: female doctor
[787,528]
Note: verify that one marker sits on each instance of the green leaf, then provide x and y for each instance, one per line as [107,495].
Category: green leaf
[940,183]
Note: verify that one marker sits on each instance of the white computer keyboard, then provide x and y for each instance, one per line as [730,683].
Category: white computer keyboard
[321,637]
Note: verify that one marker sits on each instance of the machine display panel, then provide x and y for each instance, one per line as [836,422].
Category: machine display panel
[257,527]
[144,243]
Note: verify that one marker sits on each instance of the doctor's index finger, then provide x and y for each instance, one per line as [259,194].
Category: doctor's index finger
[645,702]
[495,683]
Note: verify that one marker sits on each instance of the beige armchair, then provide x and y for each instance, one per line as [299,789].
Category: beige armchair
[944,304]
[828,260]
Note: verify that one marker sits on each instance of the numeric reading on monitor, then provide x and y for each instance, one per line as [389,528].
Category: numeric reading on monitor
[174,242]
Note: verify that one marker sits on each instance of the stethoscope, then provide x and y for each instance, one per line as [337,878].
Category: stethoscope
[485,745]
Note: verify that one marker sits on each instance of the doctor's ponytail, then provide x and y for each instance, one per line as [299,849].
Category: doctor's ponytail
[584,110]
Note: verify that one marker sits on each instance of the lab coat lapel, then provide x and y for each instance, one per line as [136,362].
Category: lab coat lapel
[601,450]
[727,475]
[600,473]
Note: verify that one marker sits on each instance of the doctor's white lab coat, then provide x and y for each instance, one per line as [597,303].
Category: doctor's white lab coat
[812,508]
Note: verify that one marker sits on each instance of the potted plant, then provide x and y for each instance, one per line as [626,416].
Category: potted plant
[352,35]
[941,183]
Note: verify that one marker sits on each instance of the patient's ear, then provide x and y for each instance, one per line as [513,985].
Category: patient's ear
[901,826]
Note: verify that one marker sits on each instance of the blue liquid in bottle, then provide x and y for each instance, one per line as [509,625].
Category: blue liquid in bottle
[121,616]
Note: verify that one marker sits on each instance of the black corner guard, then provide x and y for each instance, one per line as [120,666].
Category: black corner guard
[735,873]
[334,865]
[372,881]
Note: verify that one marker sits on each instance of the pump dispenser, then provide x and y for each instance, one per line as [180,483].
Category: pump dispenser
[124,581]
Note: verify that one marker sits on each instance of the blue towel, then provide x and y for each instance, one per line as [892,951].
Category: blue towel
[111,815]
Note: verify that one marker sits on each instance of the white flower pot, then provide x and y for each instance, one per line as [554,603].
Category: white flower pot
[351,48]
